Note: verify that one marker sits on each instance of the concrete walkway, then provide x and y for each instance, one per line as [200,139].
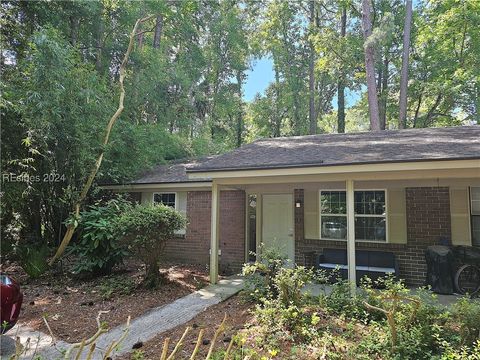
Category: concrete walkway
[142,328]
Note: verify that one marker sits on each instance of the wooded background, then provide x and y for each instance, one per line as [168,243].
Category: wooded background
[60,62]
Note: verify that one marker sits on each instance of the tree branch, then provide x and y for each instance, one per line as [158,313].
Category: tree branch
[123,72]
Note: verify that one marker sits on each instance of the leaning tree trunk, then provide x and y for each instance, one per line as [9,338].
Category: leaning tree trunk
[402,120]
[370,66]
[86,187]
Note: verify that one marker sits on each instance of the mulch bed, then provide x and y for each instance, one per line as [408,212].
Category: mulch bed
[71,305]
[238,316]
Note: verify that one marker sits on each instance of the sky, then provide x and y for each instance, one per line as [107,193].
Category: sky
[261,75]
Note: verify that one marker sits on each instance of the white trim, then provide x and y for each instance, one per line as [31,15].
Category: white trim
[336,169]
[345,215]
[132,187]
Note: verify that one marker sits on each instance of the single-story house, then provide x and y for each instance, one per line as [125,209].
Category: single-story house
[397,191]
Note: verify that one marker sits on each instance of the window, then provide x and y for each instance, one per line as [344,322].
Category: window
[370,220]
[475,214]
[333,218]
[167,199]
[370,215]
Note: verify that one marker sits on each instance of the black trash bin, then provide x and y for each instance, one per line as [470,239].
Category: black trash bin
[440,269]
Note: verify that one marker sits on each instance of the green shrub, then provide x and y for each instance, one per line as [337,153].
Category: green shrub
[415,322]
[98,249]
[341,302]
[466,313]
[33,259]
[146,230]
[289,283]
[259,275]
[116,286]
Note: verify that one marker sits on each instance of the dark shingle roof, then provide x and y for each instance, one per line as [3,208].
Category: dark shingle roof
[462,142]
[170,173]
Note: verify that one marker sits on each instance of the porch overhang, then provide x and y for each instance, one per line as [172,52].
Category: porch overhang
[348,174]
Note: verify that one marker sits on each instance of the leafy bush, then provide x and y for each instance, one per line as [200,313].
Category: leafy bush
[116,286]
[414,322]
[283,311]
[341,302]
[33,259]
[289,283]
[146,230]
[467,314]
[259,276]
[99,249]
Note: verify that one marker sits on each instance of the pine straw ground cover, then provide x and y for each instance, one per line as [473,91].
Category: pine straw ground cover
[71,305]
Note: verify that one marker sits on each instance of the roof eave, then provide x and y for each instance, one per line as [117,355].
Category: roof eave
[418,164]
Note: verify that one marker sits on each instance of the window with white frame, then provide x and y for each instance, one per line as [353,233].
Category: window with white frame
[475,214]
[333,215]
[370,215]
[168,199]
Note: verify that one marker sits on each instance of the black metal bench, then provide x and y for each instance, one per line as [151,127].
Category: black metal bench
[374,264]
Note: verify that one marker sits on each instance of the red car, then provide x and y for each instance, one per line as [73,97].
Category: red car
[11,302]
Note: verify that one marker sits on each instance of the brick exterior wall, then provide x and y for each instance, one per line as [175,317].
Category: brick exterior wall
[194,247]
[232,231]
[298,196]
[428,221]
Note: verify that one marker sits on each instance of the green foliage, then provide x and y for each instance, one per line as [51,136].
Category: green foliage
[260,275]
[289,282]
[33,259]
[467,313]
[146,230]
[98,249]
[137,355]
[118,285]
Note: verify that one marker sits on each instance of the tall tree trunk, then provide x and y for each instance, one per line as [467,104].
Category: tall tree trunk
[311,75]
[158,31]
[99,43]
[74,27]
[276,115]
[384,94]
[341,81]
[240,112]
[402,119]
[370,66]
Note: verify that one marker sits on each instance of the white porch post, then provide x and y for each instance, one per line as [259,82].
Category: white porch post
[214,230]
[351,236]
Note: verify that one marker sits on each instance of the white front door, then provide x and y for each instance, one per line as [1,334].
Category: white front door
[277,224]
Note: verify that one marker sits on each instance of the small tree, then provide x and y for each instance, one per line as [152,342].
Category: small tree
[146,230]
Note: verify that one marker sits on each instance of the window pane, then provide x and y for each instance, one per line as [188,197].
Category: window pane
[475,193]
[165,199]
[333,202]
[370,202]
[476,230]
[334,227]
[370,228]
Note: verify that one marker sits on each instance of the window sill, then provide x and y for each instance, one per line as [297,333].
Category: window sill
[357,241]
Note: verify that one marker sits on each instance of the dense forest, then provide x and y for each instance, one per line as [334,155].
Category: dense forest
[185,80]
